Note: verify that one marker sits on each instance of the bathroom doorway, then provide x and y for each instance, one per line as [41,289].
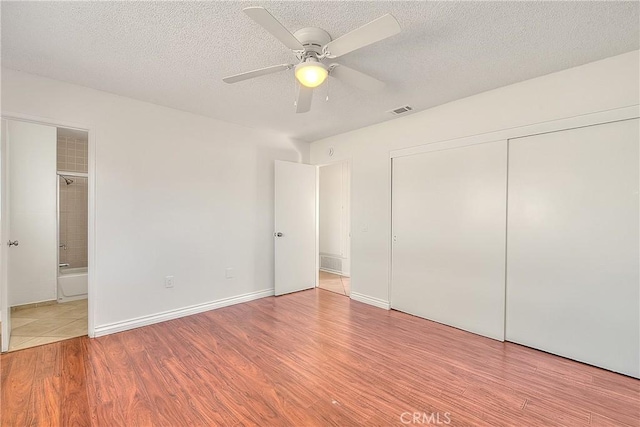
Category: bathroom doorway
[334,195]
[46,219]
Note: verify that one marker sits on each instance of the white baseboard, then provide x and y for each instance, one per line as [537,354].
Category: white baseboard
[137,322]
[376,302]
[73,298]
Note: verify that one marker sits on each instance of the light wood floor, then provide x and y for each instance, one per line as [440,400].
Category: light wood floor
[334,283]
[306,359]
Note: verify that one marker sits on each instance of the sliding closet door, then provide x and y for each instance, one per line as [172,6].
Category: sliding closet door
[573,285]
[449,224]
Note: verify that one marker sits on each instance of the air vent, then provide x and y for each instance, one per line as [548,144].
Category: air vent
[401,110]
[330,263]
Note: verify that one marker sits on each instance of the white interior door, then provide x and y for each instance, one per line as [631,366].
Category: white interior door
[295,227]
[573,284]
[449,226]
[32,264]
[5,318]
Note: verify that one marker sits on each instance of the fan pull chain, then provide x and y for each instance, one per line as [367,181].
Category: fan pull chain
[295,92]
[327,98]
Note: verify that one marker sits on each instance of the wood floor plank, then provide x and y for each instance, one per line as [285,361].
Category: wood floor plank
[46,391]
[313,358]
[170,397]
[73,384]
[146,381]
[18,382]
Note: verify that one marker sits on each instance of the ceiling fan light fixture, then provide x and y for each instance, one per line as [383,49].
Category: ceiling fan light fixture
[311,73]
[312,45]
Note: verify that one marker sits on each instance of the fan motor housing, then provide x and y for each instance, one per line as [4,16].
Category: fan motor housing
[312,38]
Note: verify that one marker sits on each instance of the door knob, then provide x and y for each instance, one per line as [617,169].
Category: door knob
[14,243]
[278,234]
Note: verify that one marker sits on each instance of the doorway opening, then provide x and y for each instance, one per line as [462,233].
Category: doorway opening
[46,215]
[334,224]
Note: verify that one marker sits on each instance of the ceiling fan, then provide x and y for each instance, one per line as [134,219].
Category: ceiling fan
[313,46]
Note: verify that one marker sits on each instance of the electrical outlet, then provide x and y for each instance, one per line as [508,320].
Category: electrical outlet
[168,282]
[228,273]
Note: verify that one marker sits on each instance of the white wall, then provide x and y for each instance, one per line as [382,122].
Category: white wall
[176,194]
[334,212]
[598,86]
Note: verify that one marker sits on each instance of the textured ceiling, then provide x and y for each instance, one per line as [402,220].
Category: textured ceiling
[176,53]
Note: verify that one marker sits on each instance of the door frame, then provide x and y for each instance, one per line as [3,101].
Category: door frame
[91,223]
[349,161]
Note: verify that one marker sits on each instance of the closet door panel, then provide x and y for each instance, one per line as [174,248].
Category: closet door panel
[573,285]
[449,225]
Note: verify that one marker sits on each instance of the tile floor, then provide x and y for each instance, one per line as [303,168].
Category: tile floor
[334,283]
[31,327]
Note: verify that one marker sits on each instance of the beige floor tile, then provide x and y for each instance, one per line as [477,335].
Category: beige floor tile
[28,313]
[80,306]
[42,312]
[76,313]
[334,283]
[33,305]
[328,276]
[33,342]
[77,328]
[46,324]
[20,321]
[43,340]
[18,343]
[41,327]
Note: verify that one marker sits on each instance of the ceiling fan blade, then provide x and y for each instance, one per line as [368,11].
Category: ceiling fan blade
[374,31]
[355,78]
[303,100]
[272,25]
[256,73]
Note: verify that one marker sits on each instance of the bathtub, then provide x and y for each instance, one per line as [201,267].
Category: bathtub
[72,284]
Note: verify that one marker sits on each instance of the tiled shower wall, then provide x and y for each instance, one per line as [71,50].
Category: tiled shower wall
[72,154]
[72,157]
